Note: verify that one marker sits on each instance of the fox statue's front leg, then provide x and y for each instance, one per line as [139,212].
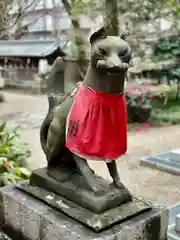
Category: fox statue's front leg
[112,167]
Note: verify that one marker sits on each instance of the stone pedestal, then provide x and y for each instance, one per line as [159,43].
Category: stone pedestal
[24,217]
[73,197]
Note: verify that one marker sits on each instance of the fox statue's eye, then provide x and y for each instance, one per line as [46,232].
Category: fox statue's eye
[102,51]
[123,53]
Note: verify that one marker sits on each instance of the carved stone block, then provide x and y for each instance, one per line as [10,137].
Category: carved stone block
[25,217]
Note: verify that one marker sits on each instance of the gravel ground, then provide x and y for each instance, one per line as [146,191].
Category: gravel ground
[142,181]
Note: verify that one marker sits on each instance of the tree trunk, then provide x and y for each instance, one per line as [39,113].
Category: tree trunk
[111,19]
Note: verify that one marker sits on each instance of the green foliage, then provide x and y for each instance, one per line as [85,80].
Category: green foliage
[143,17]
[167,48]
[132,15]
[138,10]
[160,117]
[163,114]
[83,6]
[13,156]
[175,6]
[166,114]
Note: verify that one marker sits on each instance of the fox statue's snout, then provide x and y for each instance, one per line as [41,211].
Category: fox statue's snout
[113,64]
[112,54]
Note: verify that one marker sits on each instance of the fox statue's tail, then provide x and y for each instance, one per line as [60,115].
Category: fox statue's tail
[55,97]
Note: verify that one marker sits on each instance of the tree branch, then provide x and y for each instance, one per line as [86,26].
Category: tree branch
[6,7]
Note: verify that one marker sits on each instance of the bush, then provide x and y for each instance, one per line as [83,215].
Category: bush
[169,114]
[138,101]
[13,156]
[168,48]
[161,118]
[165,108]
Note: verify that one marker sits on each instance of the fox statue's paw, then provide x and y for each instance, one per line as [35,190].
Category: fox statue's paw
[118,184]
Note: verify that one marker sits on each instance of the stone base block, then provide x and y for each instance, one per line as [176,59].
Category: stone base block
[25,217]
[97,222]
[75,190]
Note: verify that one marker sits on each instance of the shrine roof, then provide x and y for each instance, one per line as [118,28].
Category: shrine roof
[28,48]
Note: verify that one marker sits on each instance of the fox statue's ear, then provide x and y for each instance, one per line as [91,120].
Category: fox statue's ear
[100,34]
[123,36]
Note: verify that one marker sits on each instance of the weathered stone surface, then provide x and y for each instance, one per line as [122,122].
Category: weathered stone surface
[96,221]
[173,233]
[33,220]
[75,189]
[3,236]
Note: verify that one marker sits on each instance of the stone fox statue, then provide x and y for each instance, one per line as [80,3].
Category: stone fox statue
[91,122]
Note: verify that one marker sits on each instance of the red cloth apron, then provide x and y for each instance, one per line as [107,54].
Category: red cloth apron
[97,124]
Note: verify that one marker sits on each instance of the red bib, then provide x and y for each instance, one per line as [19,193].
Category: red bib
[97,124]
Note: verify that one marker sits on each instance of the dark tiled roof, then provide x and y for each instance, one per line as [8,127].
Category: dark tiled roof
[27,48]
